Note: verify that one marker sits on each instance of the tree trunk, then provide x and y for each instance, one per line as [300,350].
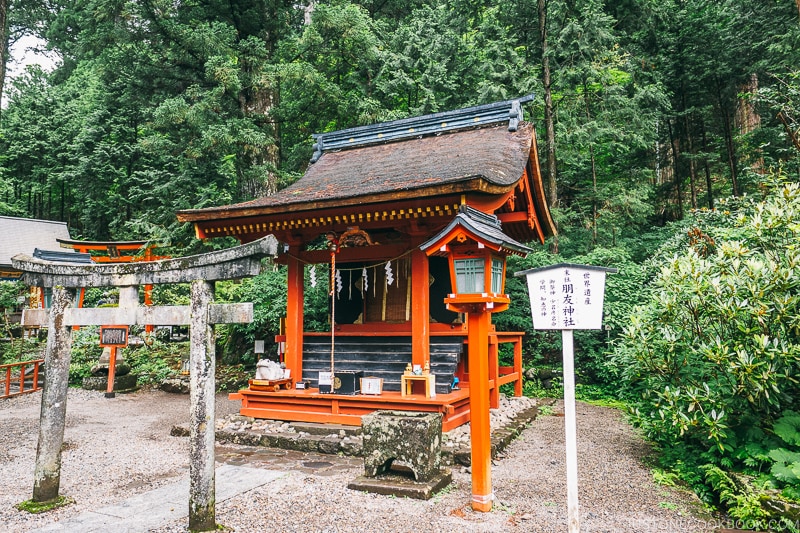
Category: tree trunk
[550,134]
[677,175]
[748,119]
[689,144]
[4,44]
[594,166]
[549,125]
[692,165]
[727,127]
[709,192]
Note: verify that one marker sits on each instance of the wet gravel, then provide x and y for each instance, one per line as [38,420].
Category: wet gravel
[116,448]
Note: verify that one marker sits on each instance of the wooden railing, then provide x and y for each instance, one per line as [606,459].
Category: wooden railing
[20,378]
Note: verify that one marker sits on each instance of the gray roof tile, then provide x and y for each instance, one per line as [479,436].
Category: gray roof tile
[23,235]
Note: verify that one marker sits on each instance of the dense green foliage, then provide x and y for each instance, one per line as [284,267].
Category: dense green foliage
[710,358]
[160,106]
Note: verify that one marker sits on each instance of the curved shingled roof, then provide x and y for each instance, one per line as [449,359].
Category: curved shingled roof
[493,156]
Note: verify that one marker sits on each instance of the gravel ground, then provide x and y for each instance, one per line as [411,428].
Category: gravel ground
[117,448]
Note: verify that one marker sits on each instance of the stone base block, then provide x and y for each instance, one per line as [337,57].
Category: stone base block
[177,385]
[399,485]
[126,383]
[413,439]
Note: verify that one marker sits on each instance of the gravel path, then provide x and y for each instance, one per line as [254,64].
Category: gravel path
[117,448]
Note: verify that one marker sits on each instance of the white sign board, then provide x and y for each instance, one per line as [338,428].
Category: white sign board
[566,297]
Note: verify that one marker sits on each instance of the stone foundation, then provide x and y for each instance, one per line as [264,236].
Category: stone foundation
[411,438]
[126,383]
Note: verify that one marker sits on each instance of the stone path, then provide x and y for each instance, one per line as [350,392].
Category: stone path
[154,508]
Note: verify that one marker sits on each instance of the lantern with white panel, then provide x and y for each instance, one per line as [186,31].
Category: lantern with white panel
[476,249]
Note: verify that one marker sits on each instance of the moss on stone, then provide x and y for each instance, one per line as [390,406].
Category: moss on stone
[33,507]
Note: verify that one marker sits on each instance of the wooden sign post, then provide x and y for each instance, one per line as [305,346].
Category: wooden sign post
[201,271]
[113,337]
[568,297]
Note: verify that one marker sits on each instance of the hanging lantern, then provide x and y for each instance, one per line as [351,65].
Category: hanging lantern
[476,250]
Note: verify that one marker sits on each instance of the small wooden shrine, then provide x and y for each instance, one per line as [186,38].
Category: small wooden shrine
[353,226]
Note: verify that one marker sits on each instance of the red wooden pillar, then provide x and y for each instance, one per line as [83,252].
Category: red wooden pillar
[294,318]
[148,300]
[480,429]
[518,366]
[494,372]
[420,309]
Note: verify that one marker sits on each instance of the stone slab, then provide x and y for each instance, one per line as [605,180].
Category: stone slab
[402,486]
[325,429]
[164,504]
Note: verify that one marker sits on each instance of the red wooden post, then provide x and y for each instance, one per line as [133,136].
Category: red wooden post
[112,370]
[420,316]
[148,301]
[294,318]
[494,372]
[480,429]
[518,366]
[35,375]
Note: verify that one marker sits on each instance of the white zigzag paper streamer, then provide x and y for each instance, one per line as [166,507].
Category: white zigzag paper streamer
[312,273]
[365,278]
[389,274]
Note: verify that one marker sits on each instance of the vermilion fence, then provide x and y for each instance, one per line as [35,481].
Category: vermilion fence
[20,378]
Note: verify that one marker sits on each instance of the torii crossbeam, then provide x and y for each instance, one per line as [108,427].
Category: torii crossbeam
[199,270]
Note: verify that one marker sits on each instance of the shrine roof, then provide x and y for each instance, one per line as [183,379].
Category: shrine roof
[485,227]
[23,235]
[481,149]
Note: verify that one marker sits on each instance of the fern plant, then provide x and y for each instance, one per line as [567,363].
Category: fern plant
[786,459]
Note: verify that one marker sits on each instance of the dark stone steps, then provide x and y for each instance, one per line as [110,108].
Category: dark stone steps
[382,357]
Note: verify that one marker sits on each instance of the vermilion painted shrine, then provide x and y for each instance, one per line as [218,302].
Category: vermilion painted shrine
[376,194]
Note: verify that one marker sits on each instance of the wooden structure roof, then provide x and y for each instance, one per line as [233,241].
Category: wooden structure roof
[481,227]
[23,235]
[413,172]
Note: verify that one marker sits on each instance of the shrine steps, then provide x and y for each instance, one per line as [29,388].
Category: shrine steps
[381,357]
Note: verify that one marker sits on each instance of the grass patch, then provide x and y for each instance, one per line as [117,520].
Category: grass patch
[666,478]
[546,410]
[33,507]
[601,396]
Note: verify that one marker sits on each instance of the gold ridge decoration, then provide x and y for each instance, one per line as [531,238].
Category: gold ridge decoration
[370,216]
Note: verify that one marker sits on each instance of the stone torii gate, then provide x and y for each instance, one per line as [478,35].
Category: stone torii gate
[199,270]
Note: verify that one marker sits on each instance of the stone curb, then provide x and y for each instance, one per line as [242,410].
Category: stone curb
[333,444]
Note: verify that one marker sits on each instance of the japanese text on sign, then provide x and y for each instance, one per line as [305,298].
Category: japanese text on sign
[567,298]
[114,336]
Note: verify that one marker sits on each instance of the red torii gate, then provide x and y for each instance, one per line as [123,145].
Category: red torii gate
[116,252]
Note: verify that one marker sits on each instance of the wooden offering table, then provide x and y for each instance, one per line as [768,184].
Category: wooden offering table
[407,382]
[270,384]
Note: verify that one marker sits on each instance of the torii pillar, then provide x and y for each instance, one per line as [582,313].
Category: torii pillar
[199,270]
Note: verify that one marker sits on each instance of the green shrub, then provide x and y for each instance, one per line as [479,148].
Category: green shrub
[86,351]
[710,358]
[155,362]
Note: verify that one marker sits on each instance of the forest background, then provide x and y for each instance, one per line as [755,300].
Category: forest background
[669,135]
